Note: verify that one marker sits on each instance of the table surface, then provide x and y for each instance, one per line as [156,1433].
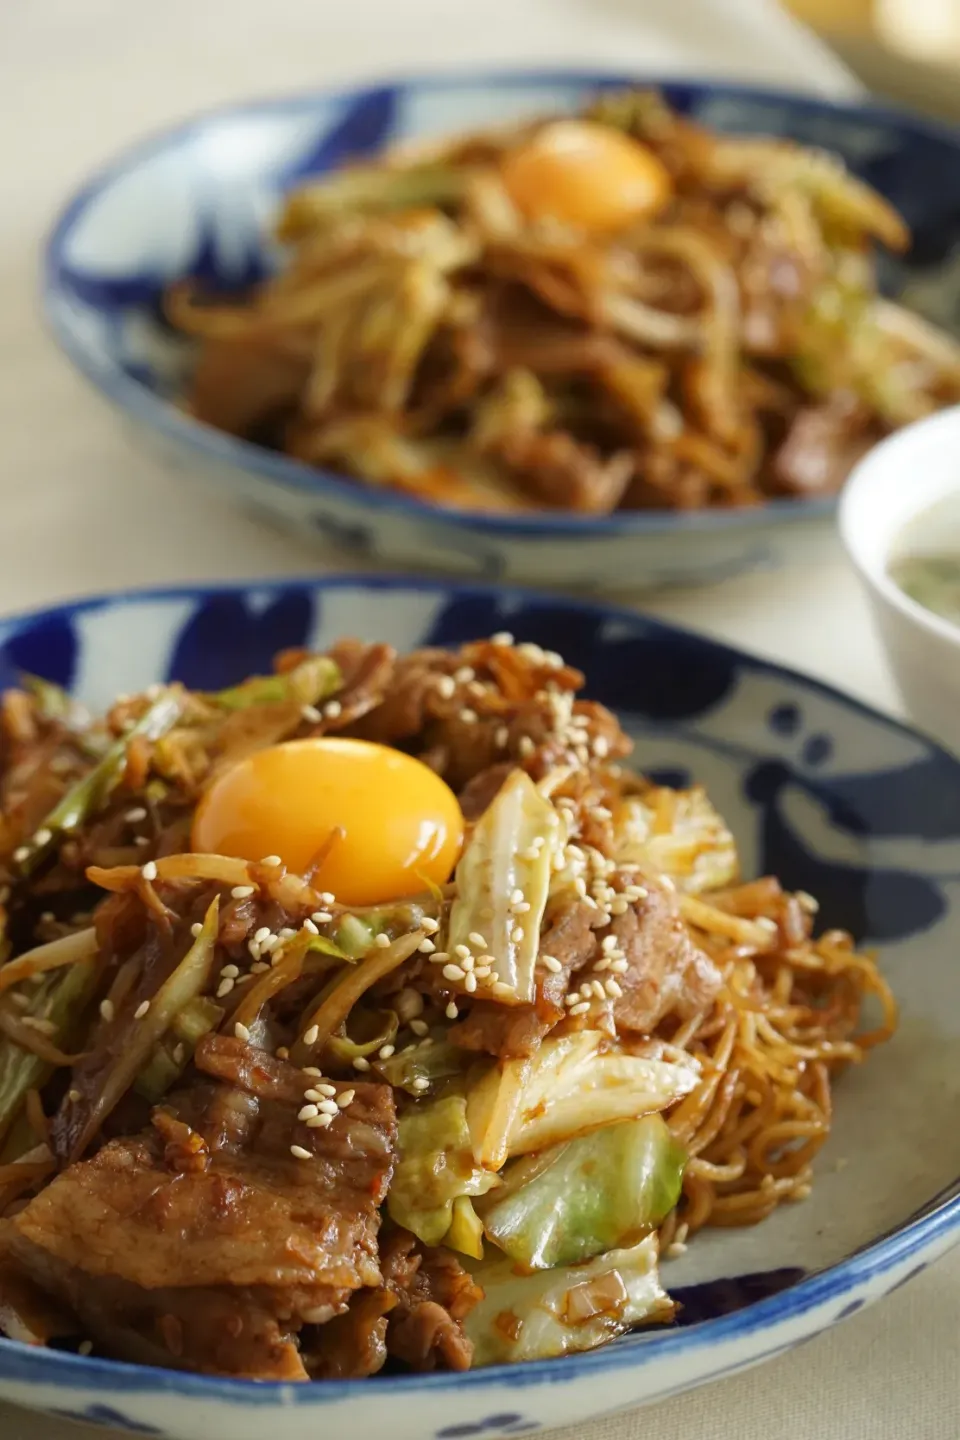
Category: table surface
[84,511]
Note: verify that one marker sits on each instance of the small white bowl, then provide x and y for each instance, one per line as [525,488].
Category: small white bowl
[888,491]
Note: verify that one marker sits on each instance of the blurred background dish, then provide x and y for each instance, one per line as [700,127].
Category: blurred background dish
[199,202]
[900,522]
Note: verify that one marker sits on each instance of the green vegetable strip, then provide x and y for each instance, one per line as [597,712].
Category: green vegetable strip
[309,683]
[61,1000]
[137,1042]
[89,794]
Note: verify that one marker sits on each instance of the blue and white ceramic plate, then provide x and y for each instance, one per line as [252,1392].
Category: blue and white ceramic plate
[199,200]
[817,789]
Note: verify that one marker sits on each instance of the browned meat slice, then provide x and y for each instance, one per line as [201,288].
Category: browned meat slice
[557,469]
[480,792]
[229,1191]
[823,444]
[243,384]
[667,972]
[571,938]
[434,1295]
[224,1330]
[352,1345]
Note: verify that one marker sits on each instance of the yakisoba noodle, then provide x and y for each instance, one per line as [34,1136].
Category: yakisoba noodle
[769,1048]
[397,956]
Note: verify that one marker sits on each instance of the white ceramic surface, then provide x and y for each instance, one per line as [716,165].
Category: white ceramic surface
[885,497]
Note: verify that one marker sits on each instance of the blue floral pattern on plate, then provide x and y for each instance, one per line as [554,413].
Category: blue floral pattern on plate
[170,208]
[834,798]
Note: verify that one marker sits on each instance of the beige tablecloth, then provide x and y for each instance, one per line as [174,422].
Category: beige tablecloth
[81,511]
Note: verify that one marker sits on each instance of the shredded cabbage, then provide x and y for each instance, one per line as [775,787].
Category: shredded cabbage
[436,1166]
[313,680]
[579,1200]
[696,849]
[511,849]
[574,1084]
[553,1312]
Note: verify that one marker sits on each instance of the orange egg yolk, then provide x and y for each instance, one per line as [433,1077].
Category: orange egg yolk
[401,825]
[586,175]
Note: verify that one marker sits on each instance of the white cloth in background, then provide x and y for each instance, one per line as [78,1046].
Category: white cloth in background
[83,511]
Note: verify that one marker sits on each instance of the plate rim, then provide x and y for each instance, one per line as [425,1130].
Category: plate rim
[938,1220]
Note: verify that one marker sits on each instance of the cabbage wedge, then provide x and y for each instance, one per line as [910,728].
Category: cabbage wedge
[436,1167]
[511,850]
[556,1312]
[601,1192]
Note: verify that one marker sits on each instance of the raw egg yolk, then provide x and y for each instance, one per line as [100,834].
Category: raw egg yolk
[402,826]
[586,175]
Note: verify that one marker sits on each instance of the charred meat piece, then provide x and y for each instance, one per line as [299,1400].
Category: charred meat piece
[229,1196]
[434,1294]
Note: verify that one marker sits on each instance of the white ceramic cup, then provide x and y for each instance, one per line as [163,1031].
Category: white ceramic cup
[890,489]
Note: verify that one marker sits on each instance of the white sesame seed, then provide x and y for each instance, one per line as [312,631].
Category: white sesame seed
[230,972]
[21,853]
[327,897]
[310,927]
[307,1112]
[470,983]
[298,1153]
[43,837]
[501,737]
[332,710]
[311,714]
[516,896]
[385,1052]
[502,637]
[462,951]
[180,1053]
[468,716]
[601,746]
[526,746]
[286,933]
[430,925]
[259,968]
[107,1010]
[345,1098]
[453,972]
[141,1010]
[597,987]
[224,988]
[419,1027]
[322,917]
[500,987]
[241,1031]
[312,1070]
[43,1027]
[464,675]
[135,815]
[446,687]
[361,1064]
[516,934]
[311,1036]
[196,928]
[319,1122]
[313,1094]
[420,1084]
[149,871]
[571,999]
[439,957]
[451,1011]
[382,941]
[482,972]
[271,860]
[325,1090]
[612,988]
[477,940]
[328,1107]
[467,962]
[580,1008]
[807,902]
[85,1348]
[427,947]
[22,1002]
[73,1096]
